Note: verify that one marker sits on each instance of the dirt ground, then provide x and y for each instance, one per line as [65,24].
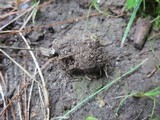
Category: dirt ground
[88,56]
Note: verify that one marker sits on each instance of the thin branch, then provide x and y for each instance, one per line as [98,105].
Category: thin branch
[16,18]
[2,95]
[25,94]
[19,103]
[2,78]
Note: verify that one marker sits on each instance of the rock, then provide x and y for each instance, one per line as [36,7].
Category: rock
[143,28]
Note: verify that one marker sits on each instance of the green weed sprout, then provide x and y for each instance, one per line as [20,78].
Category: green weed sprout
[106,87]
[152,94]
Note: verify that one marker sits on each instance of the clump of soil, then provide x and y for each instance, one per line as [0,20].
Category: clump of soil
[84,3]
[82,57]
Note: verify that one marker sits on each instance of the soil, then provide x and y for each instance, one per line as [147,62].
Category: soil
[88,56]
[81,56]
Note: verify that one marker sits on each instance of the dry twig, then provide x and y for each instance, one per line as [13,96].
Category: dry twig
[25,95]
[19,103]
[2,78]
[152,72]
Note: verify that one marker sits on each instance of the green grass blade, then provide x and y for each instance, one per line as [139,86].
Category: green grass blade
[91,118]
[35,10]
[155,89]
[130,22]
[122,101]
[130,4]
[153,108]
[96,6]
[154,99]
[153,94]
[103,88]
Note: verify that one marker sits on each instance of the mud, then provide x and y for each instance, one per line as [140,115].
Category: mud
[82,56]
[88,57]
